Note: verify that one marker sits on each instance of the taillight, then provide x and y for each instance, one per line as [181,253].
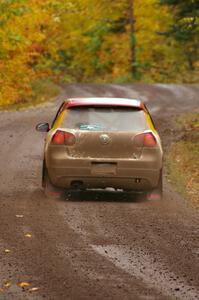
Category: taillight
[149,140]
[58,138]
[145,140]
[63,138]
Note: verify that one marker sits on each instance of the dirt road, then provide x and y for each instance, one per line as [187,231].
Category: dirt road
[97,245]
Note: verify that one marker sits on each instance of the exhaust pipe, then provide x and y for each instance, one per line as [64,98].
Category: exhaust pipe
[77,185]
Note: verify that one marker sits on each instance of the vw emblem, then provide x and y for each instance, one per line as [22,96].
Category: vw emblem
[105,139]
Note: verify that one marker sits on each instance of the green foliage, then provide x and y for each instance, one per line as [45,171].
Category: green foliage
[185,27]
[44,89]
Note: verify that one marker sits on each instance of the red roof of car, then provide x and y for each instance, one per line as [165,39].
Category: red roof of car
[102,101]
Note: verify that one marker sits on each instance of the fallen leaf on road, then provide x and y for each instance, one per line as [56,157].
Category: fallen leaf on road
[34,289]
[28,235]
[7,250]
[19,216]
[6,284]
[23,284]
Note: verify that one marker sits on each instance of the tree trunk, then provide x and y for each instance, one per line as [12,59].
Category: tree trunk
[132,37]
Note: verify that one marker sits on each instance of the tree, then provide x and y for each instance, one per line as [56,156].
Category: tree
[185,26]
[88,40]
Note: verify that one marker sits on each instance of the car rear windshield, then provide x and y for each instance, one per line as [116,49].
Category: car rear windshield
[105,118]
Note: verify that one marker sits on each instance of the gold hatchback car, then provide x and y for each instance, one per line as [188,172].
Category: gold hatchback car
[99,143]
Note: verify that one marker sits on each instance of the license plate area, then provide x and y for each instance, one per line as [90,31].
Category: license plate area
[101,168]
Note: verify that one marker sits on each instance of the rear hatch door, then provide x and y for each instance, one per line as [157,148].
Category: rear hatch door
[105,132]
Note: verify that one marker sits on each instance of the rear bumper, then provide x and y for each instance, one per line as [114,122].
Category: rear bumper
[128,174]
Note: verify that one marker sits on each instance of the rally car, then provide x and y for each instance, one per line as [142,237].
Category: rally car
[99,143]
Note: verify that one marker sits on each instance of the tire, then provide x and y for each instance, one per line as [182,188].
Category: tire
[157,193]
[50,190]
[154,194]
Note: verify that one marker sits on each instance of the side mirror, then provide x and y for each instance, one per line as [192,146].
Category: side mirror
[42,127]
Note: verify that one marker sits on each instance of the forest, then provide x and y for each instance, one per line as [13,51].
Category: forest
[122,41]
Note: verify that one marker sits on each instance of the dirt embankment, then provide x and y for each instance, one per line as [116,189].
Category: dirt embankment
[182,157]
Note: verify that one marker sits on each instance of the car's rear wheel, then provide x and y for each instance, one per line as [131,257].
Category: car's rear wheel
[154,194]
[157,193]
[50,190]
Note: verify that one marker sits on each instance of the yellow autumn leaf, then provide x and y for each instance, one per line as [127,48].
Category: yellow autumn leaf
[7,250]
[24,284]
[34,289]
[6,284]
[28,235]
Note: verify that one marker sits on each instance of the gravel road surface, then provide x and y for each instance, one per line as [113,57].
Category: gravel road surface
[97,244]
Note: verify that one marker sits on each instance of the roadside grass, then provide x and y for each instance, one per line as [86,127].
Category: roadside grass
[42,90]
[182,158]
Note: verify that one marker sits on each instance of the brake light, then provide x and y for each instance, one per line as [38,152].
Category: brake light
[149,140]
[145,140]
[63,138]
[58,138]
